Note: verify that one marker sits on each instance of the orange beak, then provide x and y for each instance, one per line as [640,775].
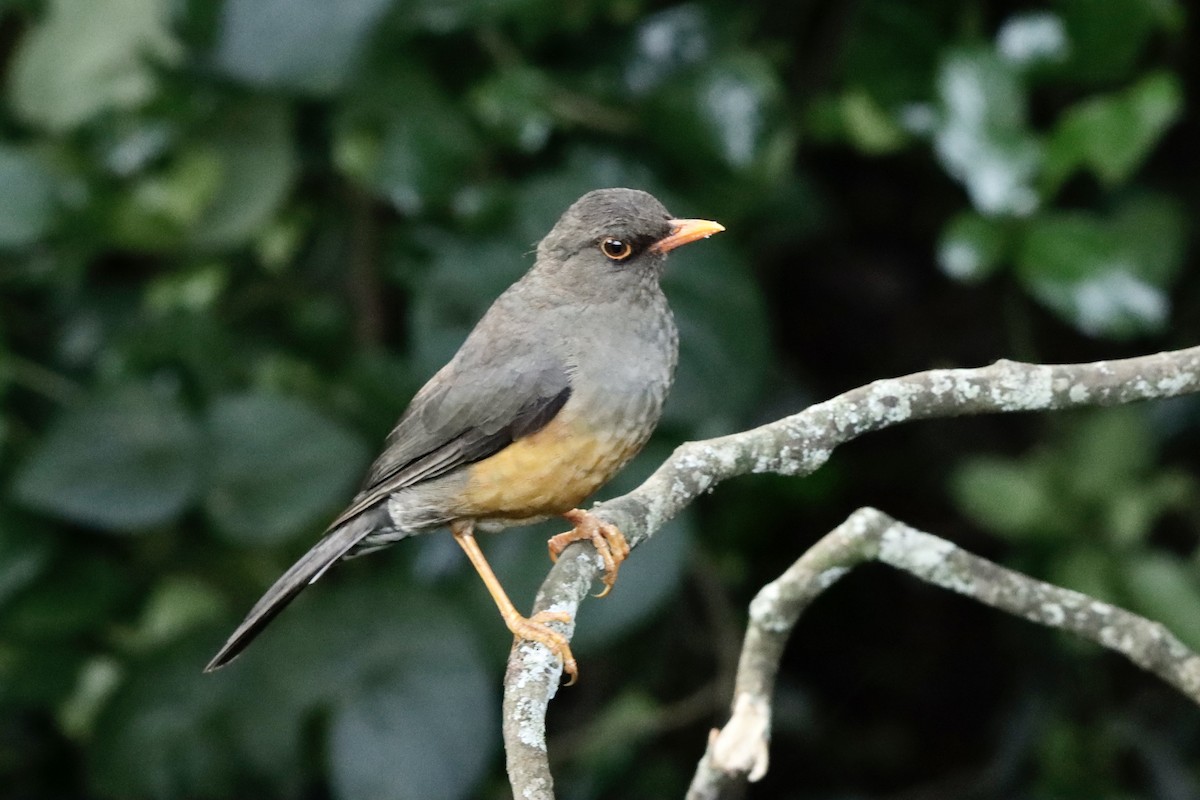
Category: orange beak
[684,231]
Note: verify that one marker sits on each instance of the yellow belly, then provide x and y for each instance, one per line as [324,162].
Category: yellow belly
[548,472]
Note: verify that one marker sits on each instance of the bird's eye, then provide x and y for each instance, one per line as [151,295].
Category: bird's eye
[616,249]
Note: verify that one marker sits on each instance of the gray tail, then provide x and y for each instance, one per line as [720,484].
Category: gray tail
[312,565]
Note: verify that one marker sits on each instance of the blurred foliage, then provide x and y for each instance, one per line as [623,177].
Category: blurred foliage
[1083,509]
[236,236]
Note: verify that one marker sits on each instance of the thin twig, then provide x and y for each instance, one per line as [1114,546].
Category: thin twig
[798,445]
[738,752]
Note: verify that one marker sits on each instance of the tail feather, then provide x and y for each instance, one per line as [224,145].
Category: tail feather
[309,568]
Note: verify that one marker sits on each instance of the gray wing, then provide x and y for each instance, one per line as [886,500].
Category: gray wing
[477,405]
[474,407]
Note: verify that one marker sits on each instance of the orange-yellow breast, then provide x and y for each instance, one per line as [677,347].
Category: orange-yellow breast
[548,472]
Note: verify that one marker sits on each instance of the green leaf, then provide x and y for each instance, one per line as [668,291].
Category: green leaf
[1110,460]
[463,279]
[176,606]
[893,48]
[164,732]
[39,675]
[983,138]
[25,554]
[277,466]
[1152,231]
[397,731]
[195,290]
[1108,451]
[1103,278]
[868,126]
[1130,515]
[66,72]
[448,16]
[729,113]
[305,45]
[666,44]
[619,731]
[1011,498]
[854,117]
[1166,590]
[26,198]
[77,596]
[98,677]
[402,687]
[1033,38]
[162,205]
[122,463]
[414,153]
[253,145]
[401,732]
[972,246]
[1107,37]
[515,104]
[1087,568]
[1113,134]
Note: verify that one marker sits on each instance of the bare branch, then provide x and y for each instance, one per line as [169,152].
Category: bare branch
[798,445]
[738,752]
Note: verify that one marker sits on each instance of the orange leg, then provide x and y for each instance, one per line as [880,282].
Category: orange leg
[607,539]
[533,629]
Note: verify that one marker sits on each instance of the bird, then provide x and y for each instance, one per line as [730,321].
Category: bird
[559,384]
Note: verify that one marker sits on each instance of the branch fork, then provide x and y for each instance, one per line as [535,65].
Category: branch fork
[798,445]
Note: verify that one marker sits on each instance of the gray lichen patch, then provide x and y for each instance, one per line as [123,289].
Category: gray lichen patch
[830,576]
[537,788]
[1022,387]
[892,401]
[1172,385]
[765,611]
[1052,614]
[927,557]
[531,723]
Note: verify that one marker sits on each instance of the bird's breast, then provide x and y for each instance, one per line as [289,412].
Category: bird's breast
[620,375]
[550,471]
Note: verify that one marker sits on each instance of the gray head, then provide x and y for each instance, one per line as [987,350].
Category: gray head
[612,239]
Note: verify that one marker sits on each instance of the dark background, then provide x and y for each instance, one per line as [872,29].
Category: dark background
[236,236]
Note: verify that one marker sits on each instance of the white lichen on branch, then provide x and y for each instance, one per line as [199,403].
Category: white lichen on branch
[800,444]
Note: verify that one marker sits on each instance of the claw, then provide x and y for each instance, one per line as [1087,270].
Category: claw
[535,629]
[608,540]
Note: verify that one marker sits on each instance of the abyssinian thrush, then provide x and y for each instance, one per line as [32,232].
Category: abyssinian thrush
[559,384]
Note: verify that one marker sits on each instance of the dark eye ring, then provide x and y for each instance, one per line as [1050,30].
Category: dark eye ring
[616,249]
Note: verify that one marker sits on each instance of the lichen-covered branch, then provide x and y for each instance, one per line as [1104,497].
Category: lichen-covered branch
[798,445]
[738,752]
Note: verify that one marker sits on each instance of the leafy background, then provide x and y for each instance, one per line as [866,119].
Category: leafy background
[236,236]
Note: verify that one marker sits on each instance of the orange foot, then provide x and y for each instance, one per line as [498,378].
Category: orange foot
[535,629]
[606,538]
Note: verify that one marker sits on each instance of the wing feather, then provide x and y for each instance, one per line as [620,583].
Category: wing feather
[458,419]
